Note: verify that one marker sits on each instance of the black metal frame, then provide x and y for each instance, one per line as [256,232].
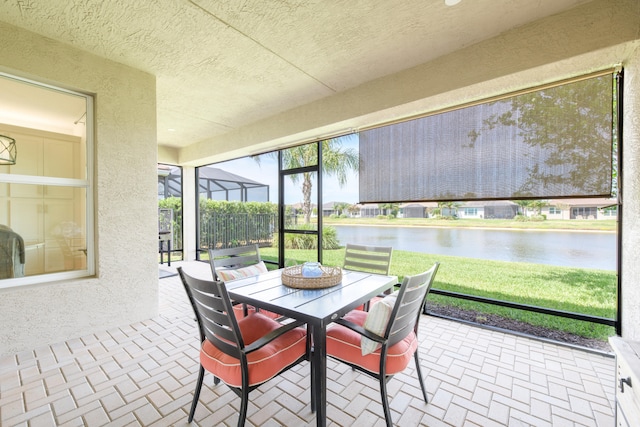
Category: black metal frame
[533,308]
[281,203]
[617,321]
[404,318]
[165,180]
[217,324]
[238,257]
[620,113]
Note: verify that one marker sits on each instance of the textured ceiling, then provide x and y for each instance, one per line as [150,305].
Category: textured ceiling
[224,64]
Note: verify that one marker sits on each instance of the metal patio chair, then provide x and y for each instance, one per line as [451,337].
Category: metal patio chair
[242,353]
[380,342]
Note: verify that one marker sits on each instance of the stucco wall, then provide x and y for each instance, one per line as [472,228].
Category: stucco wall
[125,289]
[631,200]
[584,39]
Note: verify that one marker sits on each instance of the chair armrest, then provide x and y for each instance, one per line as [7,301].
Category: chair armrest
[362,331]
[272,335]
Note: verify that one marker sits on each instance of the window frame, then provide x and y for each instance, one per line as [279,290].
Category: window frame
[87,184]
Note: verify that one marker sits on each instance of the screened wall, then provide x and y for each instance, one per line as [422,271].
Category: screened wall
[554,142]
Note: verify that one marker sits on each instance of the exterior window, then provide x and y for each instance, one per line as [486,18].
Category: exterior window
[45,197]
[610,212]
[470,211]
[584,213]
[554,211]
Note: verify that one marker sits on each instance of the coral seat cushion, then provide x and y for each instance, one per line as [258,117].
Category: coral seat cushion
[344,344]
[264,363]
[238,309]
[227,275]
[371,302]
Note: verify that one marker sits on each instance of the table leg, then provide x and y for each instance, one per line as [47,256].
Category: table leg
[319,374]
[312,362]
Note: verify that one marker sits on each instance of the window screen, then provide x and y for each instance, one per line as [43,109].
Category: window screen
[549,143]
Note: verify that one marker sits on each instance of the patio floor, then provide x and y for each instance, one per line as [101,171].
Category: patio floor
[144,375]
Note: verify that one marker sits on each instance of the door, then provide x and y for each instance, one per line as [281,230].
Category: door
[300,182]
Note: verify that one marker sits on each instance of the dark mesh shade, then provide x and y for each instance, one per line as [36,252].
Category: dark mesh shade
[552,143]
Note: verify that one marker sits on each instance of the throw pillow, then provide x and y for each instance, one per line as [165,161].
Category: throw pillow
[227,275]
[376,322]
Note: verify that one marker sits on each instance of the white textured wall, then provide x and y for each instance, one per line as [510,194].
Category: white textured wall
[581,40]
[125,289]
[631,200]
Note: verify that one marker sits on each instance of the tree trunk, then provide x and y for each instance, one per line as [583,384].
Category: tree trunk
[306,193]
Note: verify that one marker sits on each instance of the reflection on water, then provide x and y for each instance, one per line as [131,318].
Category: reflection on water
[570,249]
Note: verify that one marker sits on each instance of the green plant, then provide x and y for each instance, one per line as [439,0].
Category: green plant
[227,224]
[336,161]
[309,241]
[175,204]
[586,291]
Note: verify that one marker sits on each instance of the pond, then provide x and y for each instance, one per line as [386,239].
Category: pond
[564,248]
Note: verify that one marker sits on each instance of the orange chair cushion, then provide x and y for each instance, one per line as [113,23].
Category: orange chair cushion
[344,344]
[264,363]
[238,309]
[371,302]
[228,274]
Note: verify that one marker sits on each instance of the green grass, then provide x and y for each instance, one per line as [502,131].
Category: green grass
[584,291]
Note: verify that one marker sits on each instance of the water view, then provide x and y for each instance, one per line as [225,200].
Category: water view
[570,249]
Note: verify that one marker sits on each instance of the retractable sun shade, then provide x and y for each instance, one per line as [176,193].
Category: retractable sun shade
[552,142]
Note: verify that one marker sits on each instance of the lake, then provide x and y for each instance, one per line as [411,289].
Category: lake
[565,248]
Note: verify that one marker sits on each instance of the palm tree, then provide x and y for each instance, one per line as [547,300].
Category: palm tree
[450,206]
[390,208]
[524,204]
[340,207]
[336,161]
[539,204]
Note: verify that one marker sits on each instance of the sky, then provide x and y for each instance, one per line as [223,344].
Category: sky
[266,172]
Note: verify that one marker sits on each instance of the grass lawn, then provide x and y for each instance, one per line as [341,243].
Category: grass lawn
[584,291]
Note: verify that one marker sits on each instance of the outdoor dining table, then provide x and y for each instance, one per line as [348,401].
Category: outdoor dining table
[317,307]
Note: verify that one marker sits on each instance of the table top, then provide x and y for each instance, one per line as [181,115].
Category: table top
[267,291]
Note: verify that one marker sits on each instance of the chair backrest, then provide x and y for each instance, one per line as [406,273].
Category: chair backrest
[412,296]
[233,258]
[214,313]
[371,259]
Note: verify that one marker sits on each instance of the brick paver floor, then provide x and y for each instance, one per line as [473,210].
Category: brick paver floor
[144,375]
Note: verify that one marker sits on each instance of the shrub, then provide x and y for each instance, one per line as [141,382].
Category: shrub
[174,203]
[227,224]
[445,218]
[308,241]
